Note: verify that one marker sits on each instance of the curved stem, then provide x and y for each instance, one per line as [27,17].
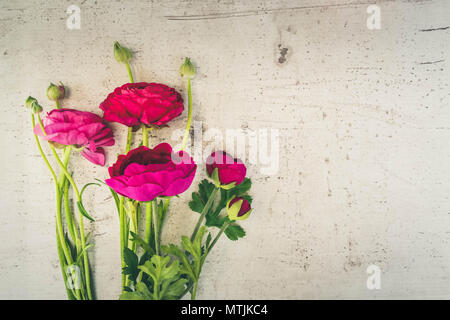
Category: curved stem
[42,152]
[207,206]
[188,123]
[83,238]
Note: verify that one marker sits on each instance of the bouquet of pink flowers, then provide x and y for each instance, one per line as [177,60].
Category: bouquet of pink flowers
[143,182]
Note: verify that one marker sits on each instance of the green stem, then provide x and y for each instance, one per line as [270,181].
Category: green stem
[132,209]
[63,250]
[225,225]
[208,250]
[148,205]
[155,217]
[130,74]
[42,152]
[122,223]
[194,291]
[189,119]
[124,232]
[58,106]
[207,206]
[83,239]
[148,222]
[71,295]
[129,137]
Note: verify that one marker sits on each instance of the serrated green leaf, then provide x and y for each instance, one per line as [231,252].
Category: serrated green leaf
[131,296]
[143,290]
[185,266]
[164,273]
[158,269]
[200,198]
[234,232]
[241,188]
[141,242]
[131,262]
[196,204]
[173,290]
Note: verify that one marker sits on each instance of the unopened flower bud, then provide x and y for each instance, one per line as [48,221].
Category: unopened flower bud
[121,54]
[187,69]
[55,92]
[238,208]
[32,104]
[30,100]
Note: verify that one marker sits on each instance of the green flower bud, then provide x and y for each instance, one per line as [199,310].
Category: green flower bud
[30,100]
[36,107]
[32,104]
[121,54]
[238,208]
[187,69]
[55,92]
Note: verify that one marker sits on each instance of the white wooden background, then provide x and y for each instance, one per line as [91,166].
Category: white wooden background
[364,122]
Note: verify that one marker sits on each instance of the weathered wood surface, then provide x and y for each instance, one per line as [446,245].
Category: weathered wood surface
[363,117]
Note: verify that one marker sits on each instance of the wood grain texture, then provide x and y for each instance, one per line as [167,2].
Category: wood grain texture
[364,122]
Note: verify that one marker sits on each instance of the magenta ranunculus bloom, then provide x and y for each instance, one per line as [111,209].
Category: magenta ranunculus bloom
[144,174]
[229,169]
[133,104]
[80,129]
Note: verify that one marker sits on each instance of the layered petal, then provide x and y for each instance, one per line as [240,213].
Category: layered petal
[81,129]
[142,103]
[144,174]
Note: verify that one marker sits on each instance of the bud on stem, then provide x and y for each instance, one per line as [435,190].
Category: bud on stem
[187,69]
[55,93]
[122,54]
[32,104]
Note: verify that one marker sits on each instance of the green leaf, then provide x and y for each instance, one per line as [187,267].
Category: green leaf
[173,290]
[241,188]
[141,293]
[141,242]
[196,204]
[80,255]
[131,296]
[234,232]
[200,198]
[185,265]
[131,261]
[83,211]
[164,274]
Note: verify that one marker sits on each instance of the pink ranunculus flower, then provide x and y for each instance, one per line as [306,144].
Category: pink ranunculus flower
[78,128]
[228,168]
[133,104]
[144,174]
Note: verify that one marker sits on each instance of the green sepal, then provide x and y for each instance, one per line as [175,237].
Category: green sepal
[228,186]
